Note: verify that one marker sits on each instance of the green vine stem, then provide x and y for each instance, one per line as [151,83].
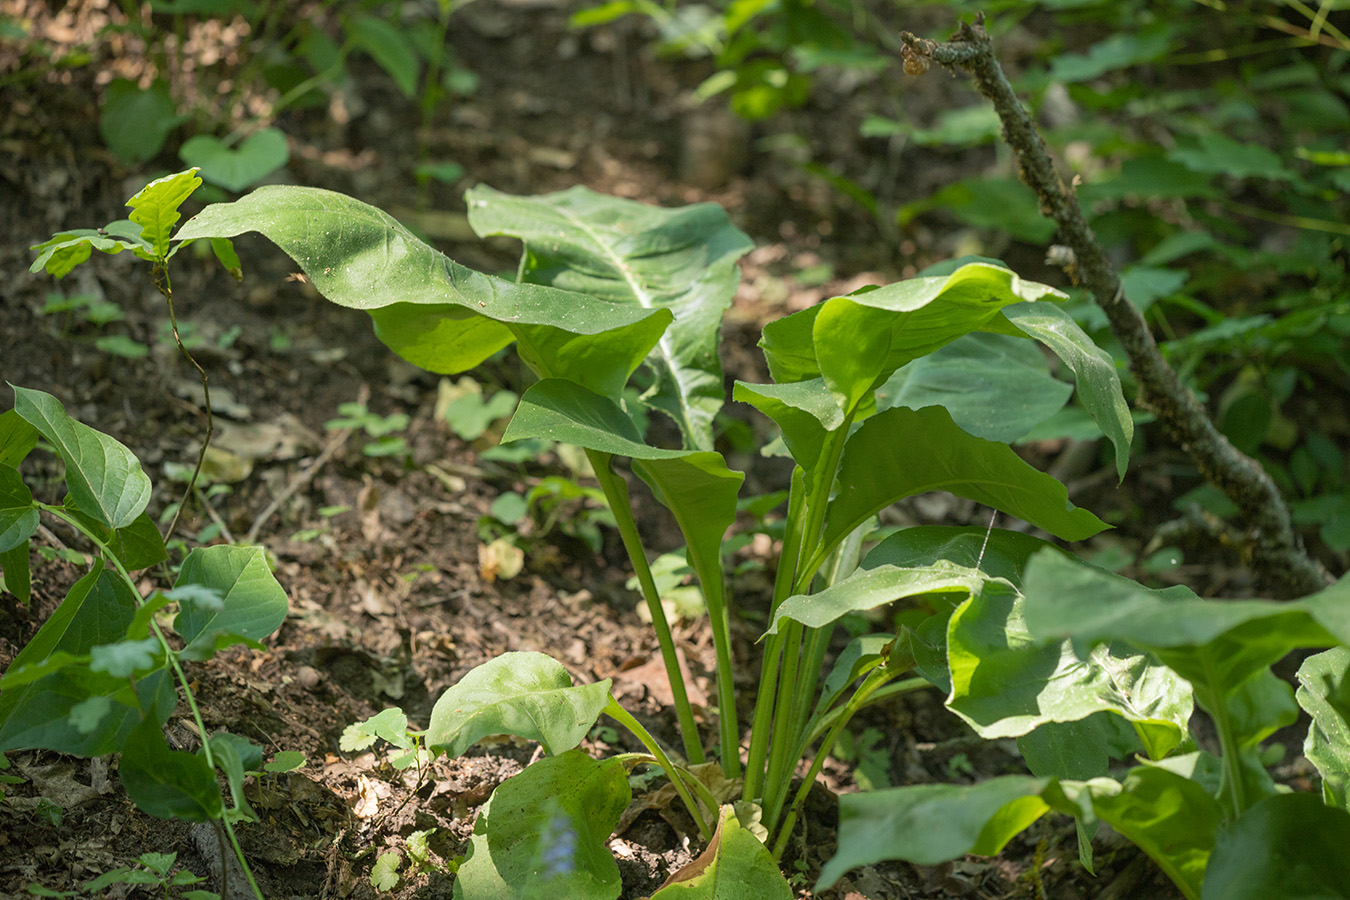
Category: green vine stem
[616,492]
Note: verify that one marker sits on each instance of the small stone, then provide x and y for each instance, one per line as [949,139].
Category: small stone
[309,677]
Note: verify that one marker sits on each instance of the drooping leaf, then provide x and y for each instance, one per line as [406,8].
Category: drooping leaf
[235,168]
[254,606]
[873,587]
[1080,750]
[1324,692]
[544,832]
[430,310]
[1093,369]
[1214,644]
[104,477]
[902,452]
[17,439]
[15,572]
[1170,817]
[995,387]
[928,824]
[923,314]
[168,784]
[389,46]
[1287,845]
[734,866]
[236,756]
[67,249]
[529,695]
[630,253]
[18,515]
[139,545]
[155,208]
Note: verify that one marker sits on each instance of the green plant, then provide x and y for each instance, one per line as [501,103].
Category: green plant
[627,285]
[356,416]
[101,675]
[153,870]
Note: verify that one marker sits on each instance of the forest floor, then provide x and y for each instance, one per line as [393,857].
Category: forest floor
[392,597]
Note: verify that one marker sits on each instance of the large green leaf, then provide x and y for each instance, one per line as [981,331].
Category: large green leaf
[18,515]
[995,552]
[544,833]
[1005,683]
[254,604]
[921,314]
[902,452]
[1093,369]
[1215,644]
[995,387]
[630,253]
[1171,818]
[1324,692]
[734,866]
[15,573]
[1288,845]
[105,478]
[529,695]
[432,311]
[932,823]
[168,784]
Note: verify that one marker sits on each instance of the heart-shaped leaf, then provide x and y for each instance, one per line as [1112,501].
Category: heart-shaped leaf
[235,168]
[529,695]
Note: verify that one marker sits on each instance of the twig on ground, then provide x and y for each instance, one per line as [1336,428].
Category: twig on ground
[1271,546]
[303,477]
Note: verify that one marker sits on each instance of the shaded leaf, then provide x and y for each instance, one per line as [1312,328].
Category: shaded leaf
[235,168]
[1288,845]
[18,515]
[167,784]
[17,439]
[134,122]
[254,604]
[995,387]
[543,833]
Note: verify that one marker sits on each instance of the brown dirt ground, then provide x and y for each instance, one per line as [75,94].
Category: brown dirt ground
[390,603]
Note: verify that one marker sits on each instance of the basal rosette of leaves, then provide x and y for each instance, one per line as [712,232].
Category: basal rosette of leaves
[609,288]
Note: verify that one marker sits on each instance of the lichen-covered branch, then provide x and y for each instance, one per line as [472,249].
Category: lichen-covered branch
[1272,548]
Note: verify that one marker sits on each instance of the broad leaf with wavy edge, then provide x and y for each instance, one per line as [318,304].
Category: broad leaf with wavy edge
[105,478]
[429,309]
[1324,692]
[630,253]
[155,208]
